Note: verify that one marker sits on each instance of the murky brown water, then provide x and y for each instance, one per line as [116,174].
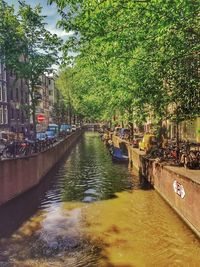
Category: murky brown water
[91,212]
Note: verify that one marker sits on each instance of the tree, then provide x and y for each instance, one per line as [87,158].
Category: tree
[38,51]
[59,112]
[65,85]
[10,35]
[128,52]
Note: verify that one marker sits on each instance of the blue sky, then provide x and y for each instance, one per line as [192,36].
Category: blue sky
[48,10]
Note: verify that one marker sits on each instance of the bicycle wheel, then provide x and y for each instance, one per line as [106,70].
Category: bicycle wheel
[6,153]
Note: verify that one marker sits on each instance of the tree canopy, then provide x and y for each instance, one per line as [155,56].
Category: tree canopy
[27,47]
[10,34]
[134,59]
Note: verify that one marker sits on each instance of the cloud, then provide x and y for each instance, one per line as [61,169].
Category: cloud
[59,32]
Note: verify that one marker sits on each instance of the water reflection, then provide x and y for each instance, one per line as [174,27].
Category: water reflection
[89,213]
[90,175]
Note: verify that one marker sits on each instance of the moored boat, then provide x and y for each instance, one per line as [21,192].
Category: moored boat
[118,156]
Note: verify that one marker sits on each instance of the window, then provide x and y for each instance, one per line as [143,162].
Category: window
[1,114]
[4,72]
[22,116]
[17,94]
[12,113]
[4,96]
[11,94]
[5,115]
[22,95]
[17,113]
[1,97]
[26,97]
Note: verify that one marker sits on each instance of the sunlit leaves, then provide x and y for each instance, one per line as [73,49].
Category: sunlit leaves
[131,52]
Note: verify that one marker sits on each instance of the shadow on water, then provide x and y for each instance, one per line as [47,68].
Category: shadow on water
[144,183]
[74,251]
[77,177]
[21,208]
[86,174]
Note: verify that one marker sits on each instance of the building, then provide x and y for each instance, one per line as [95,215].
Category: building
[3,99]
[18,103]
[188,130]
[51,87]
[54,96]
[42,107]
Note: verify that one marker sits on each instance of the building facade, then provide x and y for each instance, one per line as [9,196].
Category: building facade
[54,96]
[3,99]
[189,130]
[18,102]
[42,107]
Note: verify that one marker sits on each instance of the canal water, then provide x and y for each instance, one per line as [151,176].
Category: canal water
[90,212]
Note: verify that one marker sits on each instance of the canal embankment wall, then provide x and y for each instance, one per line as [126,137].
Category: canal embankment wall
[180,187]
[21,174]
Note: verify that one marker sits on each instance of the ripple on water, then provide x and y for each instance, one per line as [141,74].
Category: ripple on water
[93,216]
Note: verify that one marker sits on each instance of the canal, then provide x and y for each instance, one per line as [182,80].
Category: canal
[90,212]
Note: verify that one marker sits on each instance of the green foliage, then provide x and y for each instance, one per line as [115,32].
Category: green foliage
[27,47]
[136,59]
[59,112]
[40,48]
[10,34]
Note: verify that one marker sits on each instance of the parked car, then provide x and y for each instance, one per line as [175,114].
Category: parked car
[41,136]
[51,135]
[53,127]
[148,141]
[74,128]
[66,128]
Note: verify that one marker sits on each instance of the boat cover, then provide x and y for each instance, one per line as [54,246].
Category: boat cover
[117,153]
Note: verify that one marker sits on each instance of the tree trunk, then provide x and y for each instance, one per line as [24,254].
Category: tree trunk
[33,107]
[110,124]
[177,133]
[70,114]
[131,128]
[34,118]
[177,141]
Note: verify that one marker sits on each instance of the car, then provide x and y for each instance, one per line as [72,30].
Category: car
[66,128]
[53,127]
[51,135]
[41,136]
[74,128]
[148,141]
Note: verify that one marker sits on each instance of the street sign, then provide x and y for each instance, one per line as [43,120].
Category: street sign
[40,118]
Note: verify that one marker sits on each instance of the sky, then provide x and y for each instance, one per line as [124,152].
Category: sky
[48,10]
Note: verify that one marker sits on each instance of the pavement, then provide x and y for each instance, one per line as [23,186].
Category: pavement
[193,175]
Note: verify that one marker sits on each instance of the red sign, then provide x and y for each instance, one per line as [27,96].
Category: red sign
[40,118]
